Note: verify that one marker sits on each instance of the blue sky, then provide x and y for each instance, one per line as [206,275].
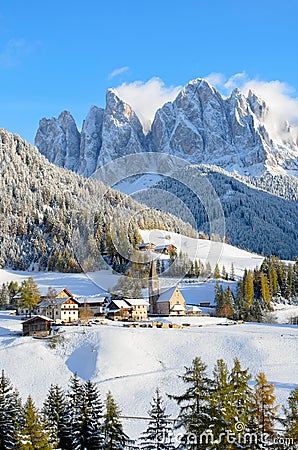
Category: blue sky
[60,55]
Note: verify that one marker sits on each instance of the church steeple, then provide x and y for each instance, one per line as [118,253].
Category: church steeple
[153,288]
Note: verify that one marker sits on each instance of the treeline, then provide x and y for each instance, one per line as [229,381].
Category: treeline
[275,281]
[211,411]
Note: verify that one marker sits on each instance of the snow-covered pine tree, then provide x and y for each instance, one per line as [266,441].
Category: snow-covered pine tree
[54,411]
[10,409]
[4,295]
[92,426]
[159,433]
[33,433]
[195,412]
[74,413]
[232,272]
[291,419]
[240,395]
[114,436]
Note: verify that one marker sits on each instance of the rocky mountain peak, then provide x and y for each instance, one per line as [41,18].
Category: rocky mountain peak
[200,125]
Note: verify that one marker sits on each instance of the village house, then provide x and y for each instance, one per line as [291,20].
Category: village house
[138,308]
[95,305]
[118,310]
[146,246]
[39,326]
[166,249]
[127,309]
[64,308]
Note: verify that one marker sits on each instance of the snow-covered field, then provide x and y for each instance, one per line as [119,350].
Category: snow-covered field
[78,283]
[133,362]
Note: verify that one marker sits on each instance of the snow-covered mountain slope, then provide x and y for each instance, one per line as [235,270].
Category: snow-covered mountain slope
[199,126]
[260,221]
[214,252]
[49,214]
[133,362]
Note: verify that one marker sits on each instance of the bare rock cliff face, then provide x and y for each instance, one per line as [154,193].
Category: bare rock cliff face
[59,140]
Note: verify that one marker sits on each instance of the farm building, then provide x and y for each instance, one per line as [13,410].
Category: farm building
[38,326]
[96,304]
[128,309]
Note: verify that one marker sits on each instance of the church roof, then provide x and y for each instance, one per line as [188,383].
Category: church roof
[166,295]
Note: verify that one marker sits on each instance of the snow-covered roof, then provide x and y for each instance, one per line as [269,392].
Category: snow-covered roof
[163,247]
[193,308]
[145,244]
[39,317]
[93,299]
[44,289]
[54,301]
[136,301]
[119,304]
[166,295]
[177,308]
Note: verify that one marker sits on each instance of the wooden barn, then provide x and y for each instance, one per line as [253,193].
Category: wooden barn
[39,326]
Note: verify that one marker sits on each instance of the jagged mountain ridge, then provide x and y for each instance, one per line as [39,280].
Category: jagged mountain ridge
[199,125]
[50,217]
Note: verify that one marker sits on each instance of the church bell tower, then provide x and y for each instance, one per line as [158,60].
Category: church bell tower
[153,288]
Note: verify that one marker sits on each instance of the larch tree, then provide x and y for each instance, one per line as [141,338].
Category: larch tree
[33,433]
[264,410]
[30,295]
[114,436]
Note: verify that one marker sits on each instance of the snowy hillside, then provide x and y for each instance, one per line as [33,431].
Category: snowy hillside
[79,284]
[214,252]
[132,362]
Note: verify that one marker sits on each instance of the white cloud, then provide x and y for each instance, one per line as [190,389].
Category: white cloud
[147,97]
[118,71]
[14,50]
[279,97]
[215,79]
